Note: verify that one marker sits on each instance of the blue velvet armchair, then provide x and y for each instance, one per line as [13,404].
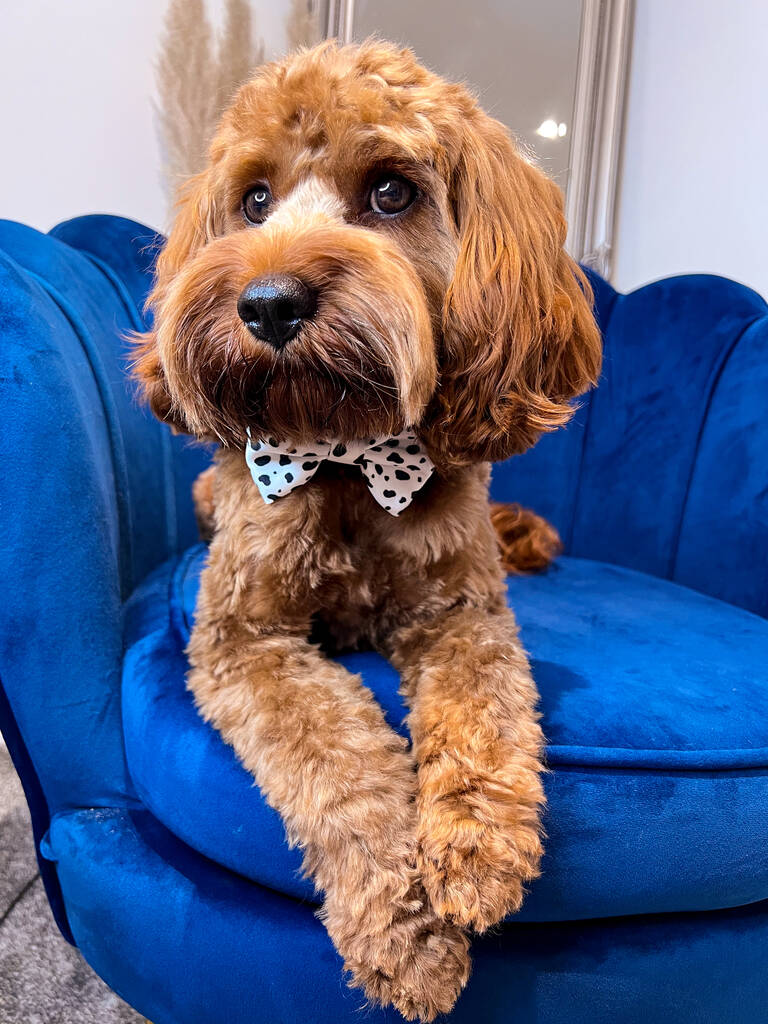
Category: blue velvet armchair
[649,643]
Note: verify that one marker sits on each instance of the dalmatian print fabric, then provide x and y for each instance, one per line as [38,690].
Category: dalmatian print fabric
[395,468]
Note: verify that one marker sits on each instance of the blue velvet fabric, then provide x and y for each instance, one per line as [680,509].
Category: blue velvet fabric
[93,494]
[664,468]
[188,942]
[655,703]
[655,696]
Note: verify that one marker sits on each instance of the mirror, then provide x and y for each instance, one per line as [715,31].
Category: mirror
[554,71]
[518,55]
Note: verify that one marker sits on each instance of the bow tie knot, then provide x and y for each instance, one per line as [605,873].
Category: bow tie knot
[394,468]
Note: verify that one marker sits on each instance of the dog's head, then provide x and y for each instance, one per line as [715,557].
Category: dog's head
[367,250]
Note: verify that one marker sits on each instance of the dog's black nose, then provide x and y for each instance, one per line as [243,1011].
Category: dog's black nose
[274,307]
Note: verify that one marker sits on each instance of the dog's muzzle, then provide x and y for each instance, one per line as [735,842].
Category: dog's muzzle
[274,307]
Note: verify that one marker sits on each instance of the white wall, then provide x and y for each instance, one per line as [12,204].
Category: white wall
[76,89]
[76,83]
[78,128]
[694,189]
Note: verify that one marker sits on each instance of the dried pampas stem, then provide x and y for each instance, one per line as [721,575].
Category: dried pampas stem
[195,81]
[187,100]
[302,25]
[237,52]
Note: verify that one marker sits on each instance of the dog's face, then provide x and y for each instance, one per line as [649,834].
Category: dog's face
[367,250]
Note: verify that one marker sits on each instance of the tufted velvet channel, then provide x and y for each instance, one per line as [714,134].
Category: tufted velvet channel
[649,642]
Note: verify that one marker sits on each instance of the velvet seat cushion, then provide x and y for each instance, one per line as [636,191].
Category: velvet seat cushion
[655,705]
[189,943]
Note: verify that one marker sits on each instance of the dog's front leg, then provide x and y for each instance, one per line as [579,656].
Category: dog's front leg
[320,750]
[478,746]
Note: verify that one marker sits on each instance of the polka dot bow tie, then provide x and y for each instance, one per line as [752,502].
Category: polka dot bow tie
[395,468]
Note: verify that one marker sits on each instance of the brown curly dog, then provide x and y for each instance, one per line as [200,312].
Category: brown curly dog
[368,253]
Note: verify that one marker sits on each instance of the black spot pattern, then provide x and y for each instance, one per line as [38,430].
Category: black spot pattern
[284,468]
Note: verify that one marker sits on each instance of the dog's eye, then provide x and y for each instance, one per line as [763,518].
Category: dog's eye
[391,195]
[256,204]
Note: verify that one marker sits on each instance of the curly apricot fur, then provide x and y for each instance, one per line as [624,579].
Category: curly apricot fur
[462,317]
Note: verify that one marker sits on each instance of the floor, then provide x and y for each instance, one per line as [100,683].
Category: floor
[43,980]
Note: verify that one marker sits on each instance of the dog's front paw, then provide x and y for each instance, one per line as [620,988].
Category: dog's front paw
[479,843]
[419,963]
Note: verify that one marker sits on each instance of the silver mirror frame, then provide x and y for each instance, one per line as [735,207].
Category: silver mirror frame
[340,16]
[597,123]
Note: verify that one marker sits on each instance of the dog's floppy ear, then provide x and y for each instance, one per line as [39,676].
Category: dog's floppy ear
[193,226]
[519,338]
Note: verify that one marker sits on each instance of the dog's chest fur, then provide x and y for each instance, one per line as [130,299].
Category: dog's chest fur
[327,559]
